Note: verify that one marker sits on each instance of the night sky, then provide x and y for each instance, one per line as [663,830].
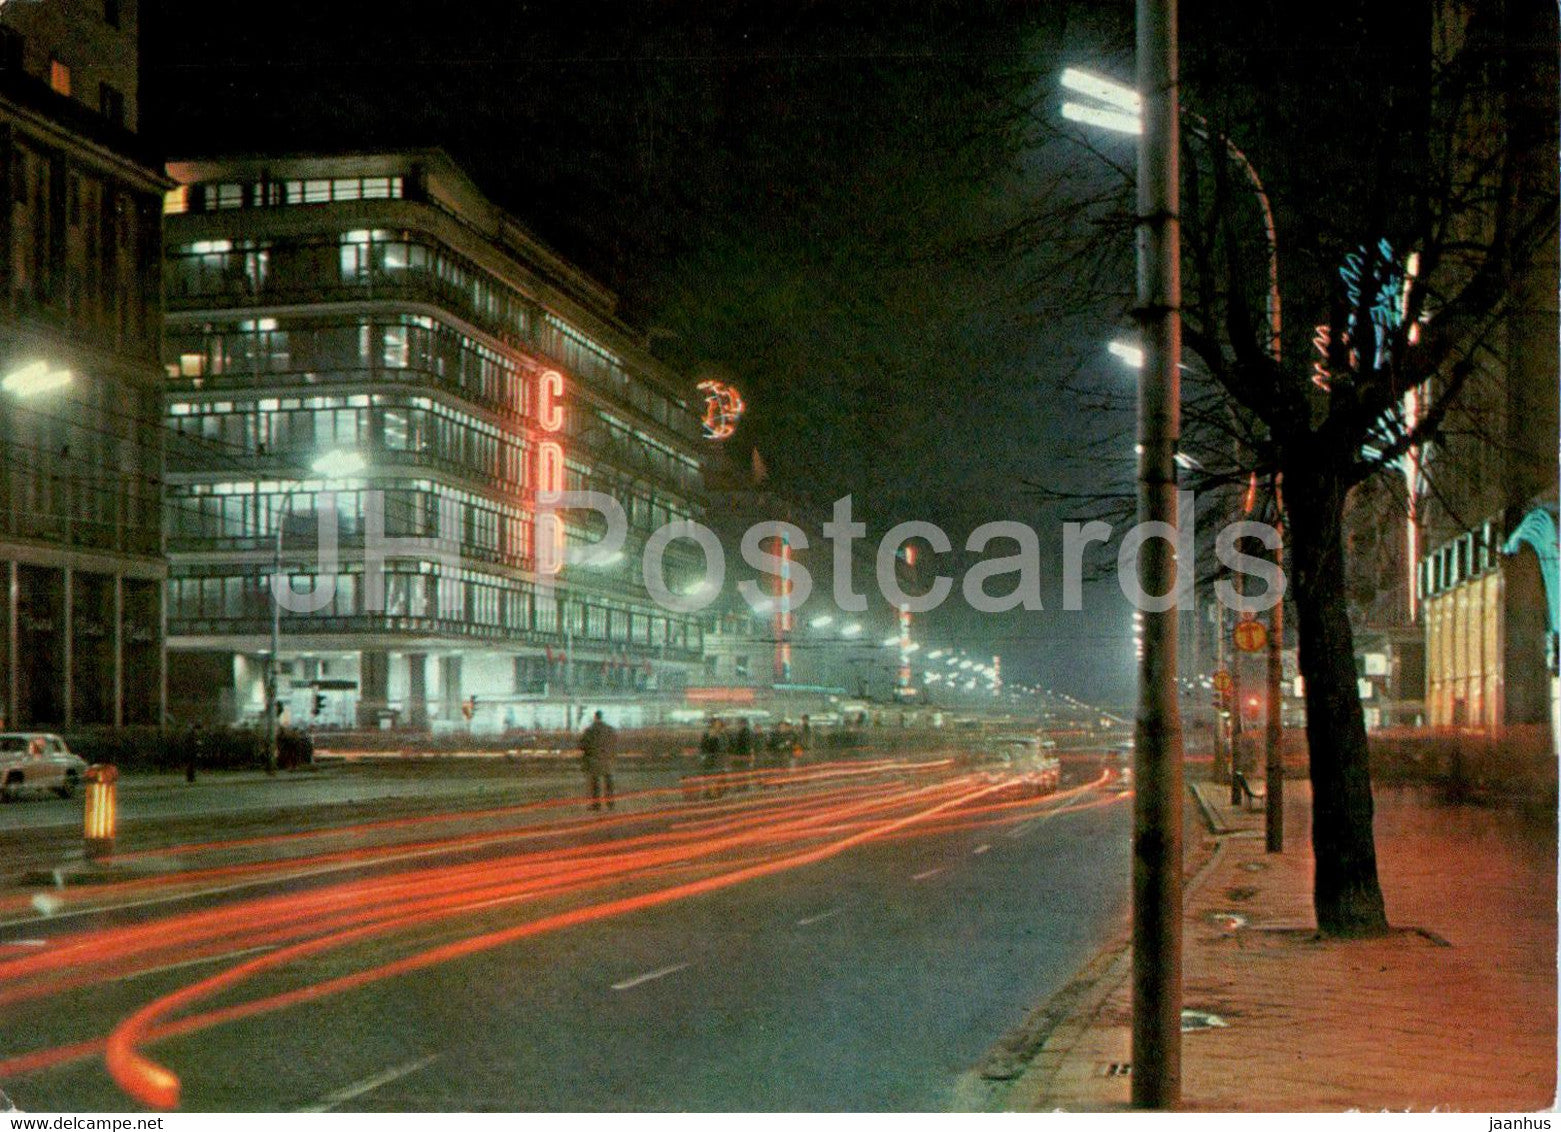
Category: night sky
[821,200]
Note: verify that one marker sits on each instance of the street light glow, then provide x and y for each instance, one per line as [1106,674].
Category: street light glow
[1131,355]
[1114,120]
[1116,95]
[35,378]
[339,463]
[821,621]
[851,630]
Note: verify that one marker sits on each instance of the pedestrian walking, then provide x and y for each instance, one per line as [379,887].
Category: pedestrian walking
[712,758]
[598,745]
[742,746]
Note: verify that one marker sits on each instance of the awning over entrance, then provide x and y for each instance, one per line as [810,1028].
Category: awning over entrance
[1538,530]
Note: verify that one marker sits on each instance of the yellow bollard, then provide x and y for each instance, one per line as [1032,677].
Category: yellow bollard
[101,805]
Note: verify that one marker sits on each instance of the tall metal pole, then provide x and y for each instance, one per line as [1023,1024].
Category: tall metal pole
[1157,809]
[1274,773]
[1274,768]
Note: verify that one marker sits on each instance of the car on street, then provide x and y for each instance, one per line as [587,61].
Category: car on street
[37,760]
[1032,766]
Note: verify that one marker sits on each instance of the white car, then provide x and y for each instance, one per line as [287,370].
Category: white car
[37,760]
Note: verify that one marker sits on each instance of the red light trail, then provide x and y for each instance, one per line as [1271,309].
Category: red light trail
[652,852]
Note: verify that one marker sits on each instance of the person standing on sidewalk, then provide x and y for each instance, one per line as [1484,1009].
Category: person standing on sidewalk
[598,745]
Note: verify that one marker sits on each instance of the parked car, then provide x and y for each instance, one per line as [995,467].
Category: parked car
[37,760]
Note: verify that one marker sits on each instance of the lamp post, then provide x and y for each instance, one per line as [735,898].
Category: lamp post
[1118,108]
[1152,114]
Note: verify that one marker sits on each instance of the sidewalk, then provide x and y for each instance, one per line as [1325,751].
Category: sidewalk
[1456,1009]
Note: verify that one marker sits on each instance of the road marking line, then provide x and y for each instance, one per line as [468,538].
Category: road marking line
[195,962]
[806,920]
[648,976]
[368,1085]
[980,849]
[928,873]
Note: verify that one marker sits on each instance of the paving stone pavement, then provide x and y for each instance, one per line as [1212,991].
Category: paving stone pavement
[1455,1009]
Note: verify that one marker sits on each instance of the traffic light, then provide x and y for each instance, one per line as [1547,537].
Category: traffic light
[319,702]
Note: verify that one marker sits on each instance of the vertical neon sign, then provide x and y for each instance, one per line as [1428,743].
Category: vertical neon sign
[550,471]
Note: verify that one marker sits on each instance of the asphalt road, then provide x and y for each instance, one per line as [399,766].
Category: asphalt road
[858,945]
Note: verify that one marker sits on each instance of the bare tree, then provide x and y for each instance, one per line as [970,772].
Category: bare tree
[1408,154]
[1436,238]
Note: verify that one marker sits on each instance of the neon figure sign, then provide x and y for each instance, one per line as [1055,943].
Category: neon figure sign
[1372,274]
[723,409]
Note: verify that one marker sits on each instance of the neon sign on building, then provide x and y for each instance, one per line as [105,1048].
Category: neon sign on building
[550,471]
[723,409]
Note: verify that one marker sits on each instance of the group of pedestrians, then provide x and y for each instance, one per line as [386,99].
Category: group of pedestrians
[741,749]
[723,751]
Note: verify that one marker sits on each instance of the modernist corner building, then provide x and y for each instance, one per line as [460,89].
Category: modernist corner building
[80,378]
[368,330]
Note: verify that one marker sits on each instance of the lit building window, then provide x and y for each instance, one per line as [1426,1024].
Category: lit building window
[176,200]
[59,77]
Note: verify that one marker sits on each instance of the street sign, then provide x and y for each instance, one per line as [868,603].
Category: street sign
[1251,636]
[1222,681]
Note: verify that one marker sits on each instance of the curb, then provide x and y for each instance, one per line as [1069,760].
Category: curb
[1035,1048]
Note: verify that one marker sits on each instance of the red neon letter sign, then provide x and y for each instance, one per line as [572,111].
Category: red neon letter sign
[550,472]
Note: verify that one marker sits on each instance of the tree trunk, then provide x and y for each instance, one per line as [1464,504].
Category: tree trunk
[1346,894]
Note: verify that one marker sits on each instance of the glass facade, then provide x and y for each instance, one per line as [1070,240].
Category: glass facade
[391,344]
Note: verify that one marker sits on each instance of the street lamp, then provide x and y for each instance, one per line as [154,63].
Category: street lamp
[1117,108]
[1157,816]
[1121,103]
[1120,110]
[35,378]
